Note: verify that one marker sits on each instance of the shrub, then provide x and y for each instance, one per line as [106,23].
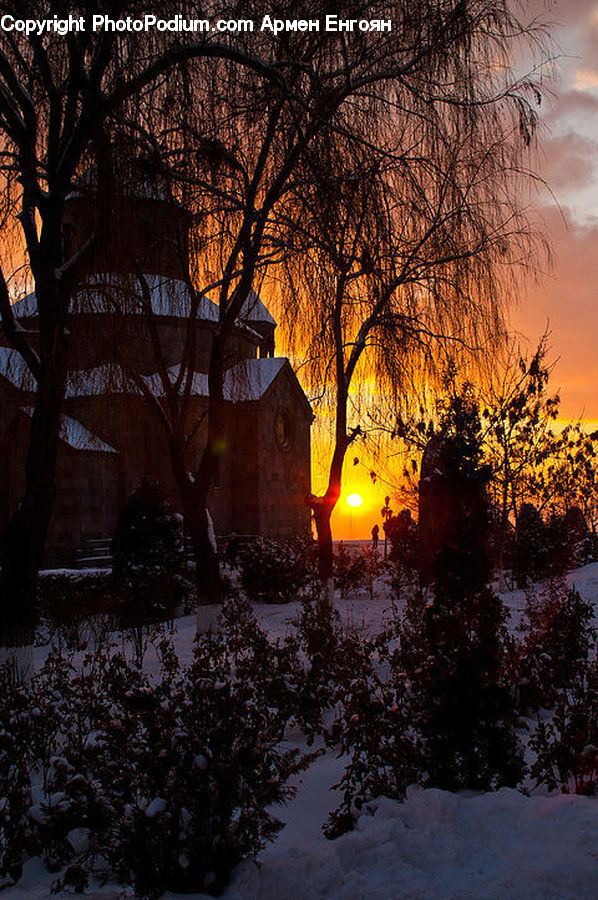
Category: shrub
[148,559]
[18,837]
[466,710]
[164,783]
[566,746]
[530,549]
[74,607]
[462,706]
[275,571]
[372,729]
[148,539]
[356,570]
[402,533]
[557,637]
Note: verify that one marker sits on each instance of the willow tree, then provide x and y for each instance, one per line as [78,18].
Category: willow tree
[412,242]
[245,148]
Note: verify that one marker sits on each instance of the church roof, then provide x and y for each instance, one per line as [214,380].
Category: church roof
[13,368]
[253,310]
[77,435]
[245,382]
[169,297]
[111,292]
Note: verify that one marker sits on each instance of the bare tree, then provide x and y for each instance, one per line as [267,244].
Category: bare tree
[413,240]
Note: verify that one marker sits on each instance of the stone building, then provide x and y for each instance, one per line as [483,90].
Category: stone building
[112,435]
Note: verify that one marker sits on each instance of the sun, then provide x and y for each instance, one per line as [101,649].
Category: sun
[354,500]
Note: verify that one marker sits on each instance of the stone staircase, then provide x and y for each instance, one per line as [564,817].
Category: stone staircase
[94,555]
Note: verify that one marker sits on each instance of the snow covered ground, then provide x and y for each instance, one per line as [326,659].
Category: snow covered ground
[464,846]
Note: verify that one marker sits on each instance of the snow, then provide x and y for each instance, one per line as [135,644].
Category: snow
[441,845]
[78,436]
[464,846]
[14,369]
[253,310]
[108,292]
[251,379]
[244,382]
[156,807]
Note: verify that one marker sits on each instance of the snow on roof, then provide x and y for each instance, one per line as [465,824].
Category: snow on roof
[106,379]
[116,293]
[199,382]
[247,381]
[253,310]
[77,435]
[250,379]
[169,297]
[14,369]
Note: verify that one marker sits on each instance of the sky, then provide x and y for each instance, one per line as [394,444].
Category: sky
[567,296]
[565,299]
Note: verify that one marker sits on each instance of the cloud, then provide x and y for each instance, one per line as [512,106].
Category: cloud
[586,79]
[568,300]
[573,102]
[568,161]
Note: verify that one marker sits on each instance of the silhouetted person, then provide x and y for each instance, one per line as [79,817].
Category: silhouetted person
[375,536]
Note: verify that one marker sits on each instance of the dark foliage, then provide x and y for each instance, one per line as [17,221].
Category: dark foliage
[18,722]
[275,571]
[566,745]
[558,636]
[148,539]
[163,783]
[148,558]
[465,710]
[402,532]
[356,570]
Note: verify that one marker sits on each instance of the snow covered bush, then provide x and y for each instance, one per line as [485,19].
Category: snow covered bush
[275,571]
[355,570]
[18,837]
[349,574]
[461,704]
[148,559]
[558,636]
[372,730]
[402,532]
[465,711]
[148,539]
[566,746]
[164,783]
[73,607]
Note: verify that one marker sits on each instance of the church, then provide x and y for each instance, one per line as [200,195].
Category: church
[136,314]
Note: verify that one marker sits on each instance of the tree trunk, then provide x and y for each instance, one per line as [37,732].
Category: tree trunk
[322,510]
[205,553]
[26,535]
[322,514]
